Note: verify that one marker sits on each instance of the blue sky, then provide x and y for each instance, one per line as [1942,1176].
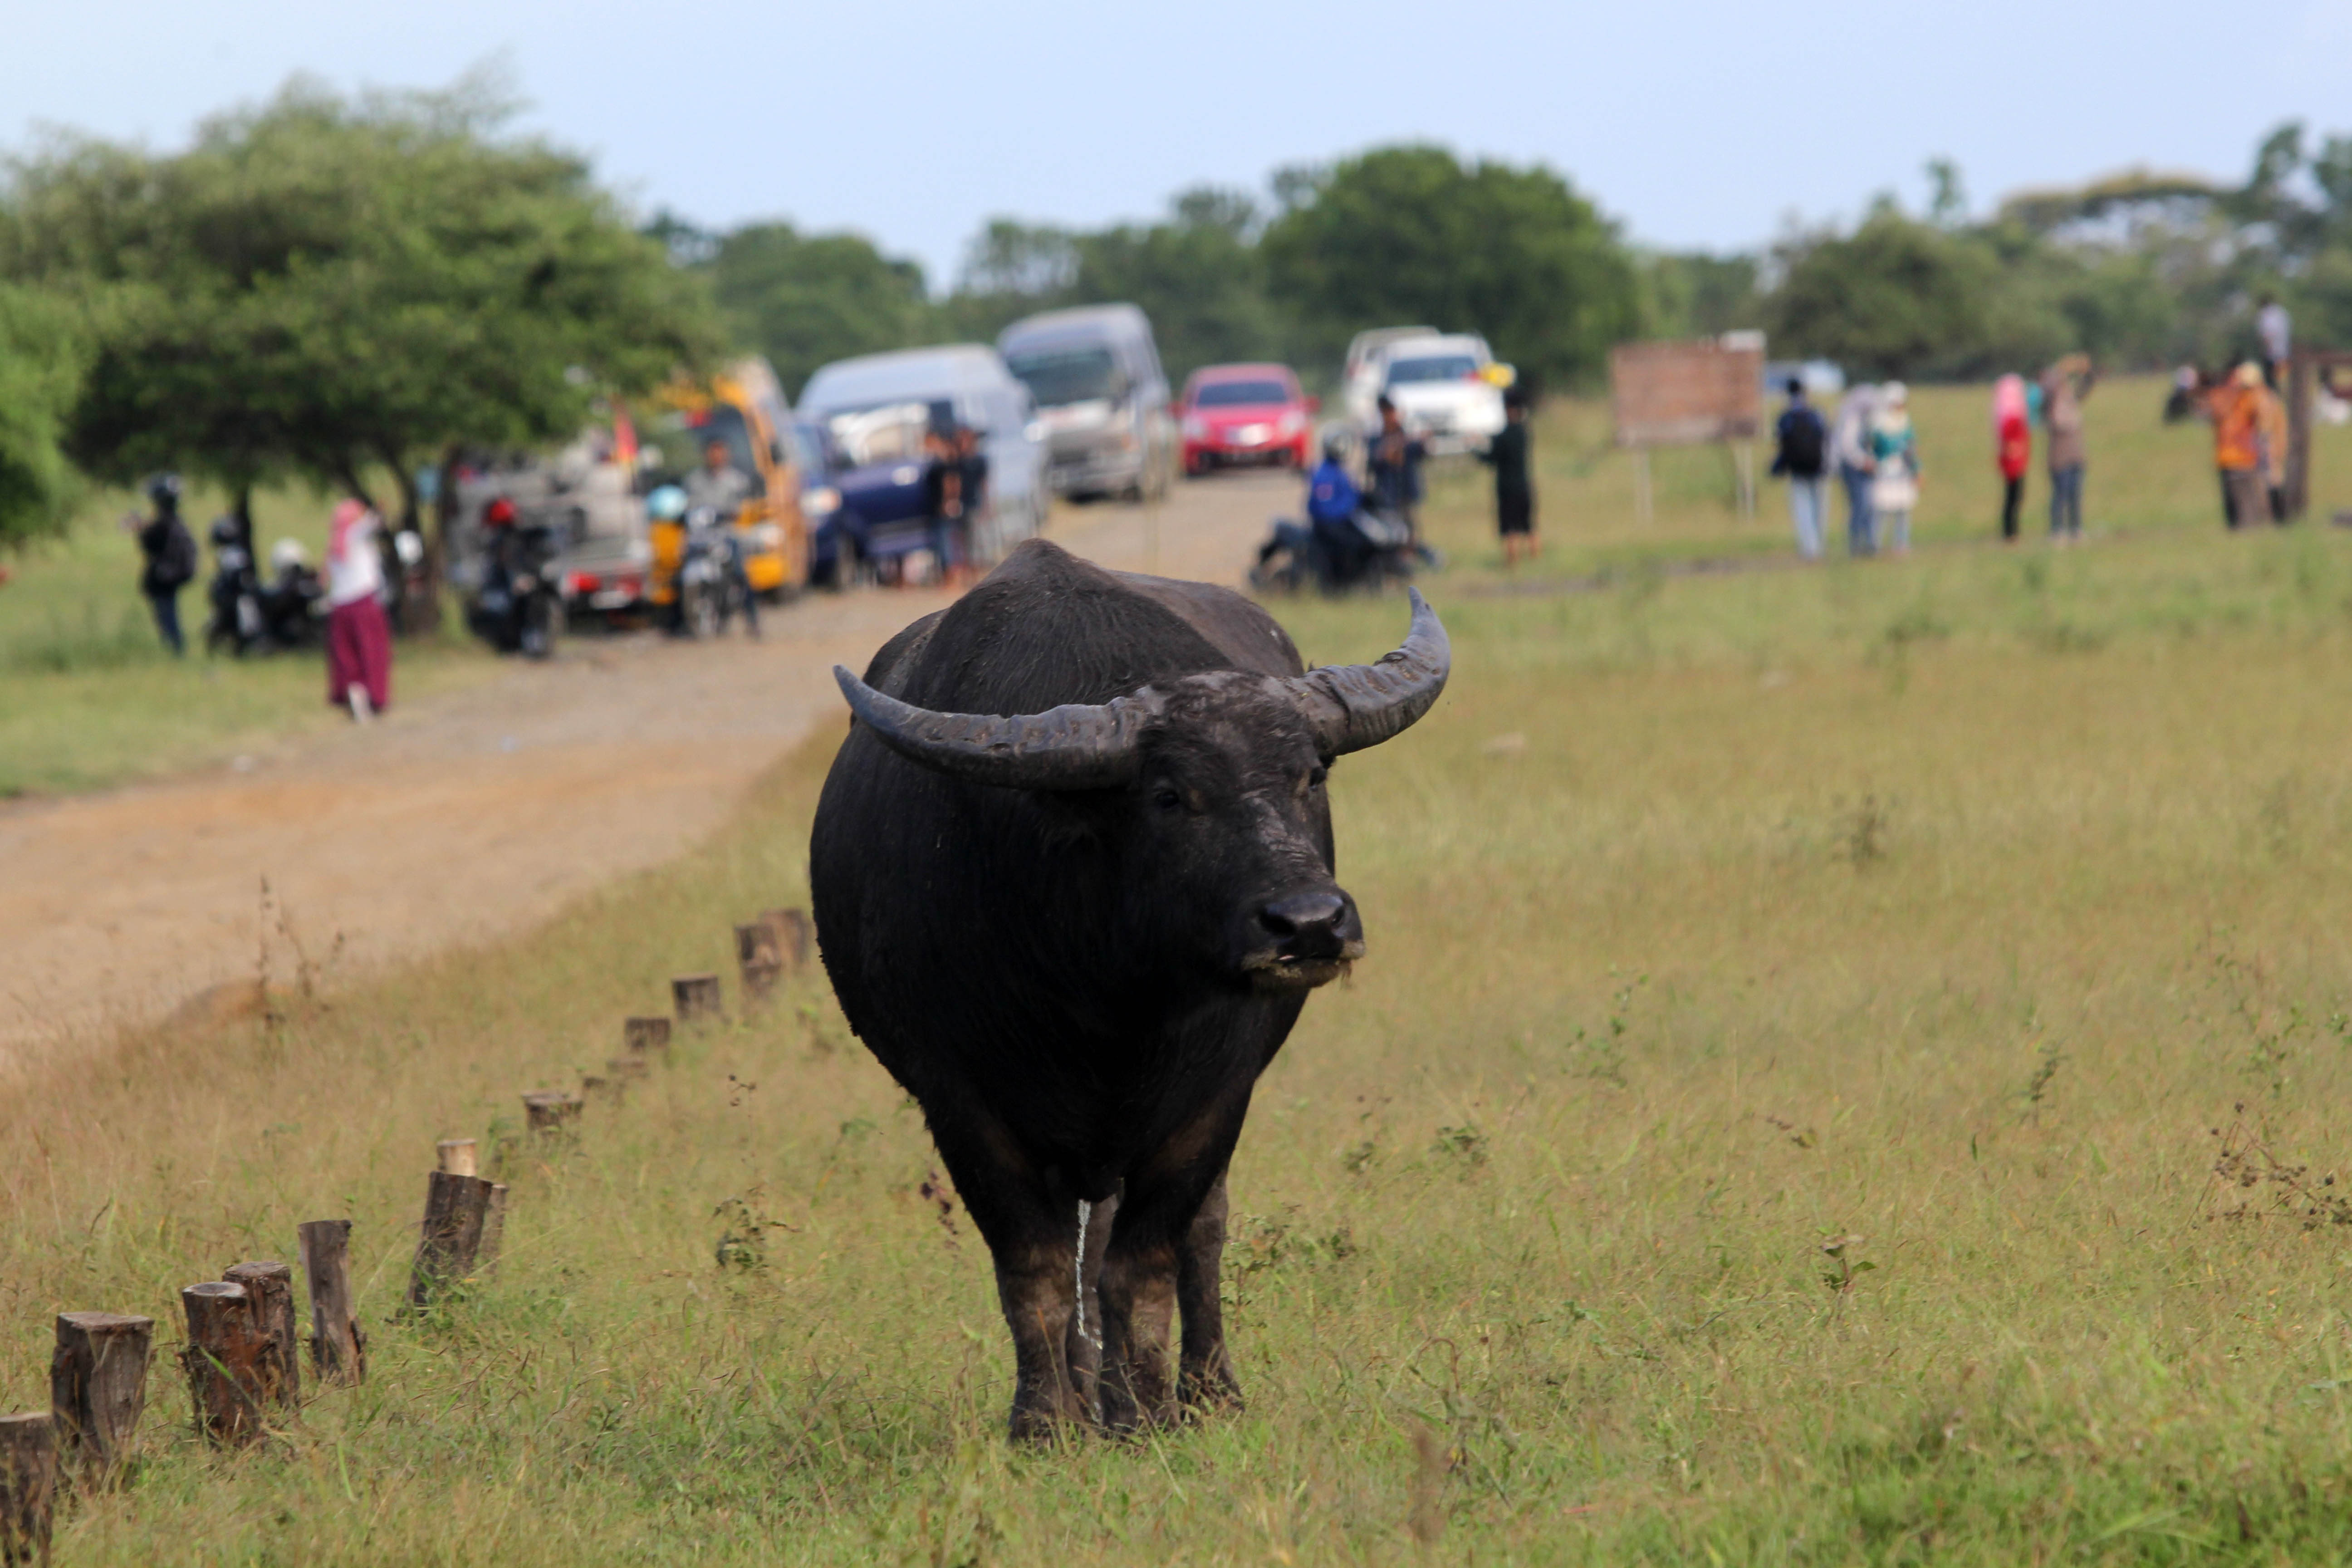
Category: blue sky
[1696,122]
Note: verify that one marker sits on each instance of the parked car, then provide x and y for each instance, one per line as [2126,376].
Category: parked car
[1448,389]
[1102,398]
[1360,381]
[1236,414]
[861,430]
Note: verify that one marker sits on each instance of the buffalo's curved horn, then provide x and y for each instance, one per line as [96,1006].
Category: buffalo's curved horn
[1352,706]
[1077,746]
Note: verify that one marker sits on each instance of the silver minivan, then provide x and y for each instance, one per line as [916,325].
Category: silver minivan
[1101,396]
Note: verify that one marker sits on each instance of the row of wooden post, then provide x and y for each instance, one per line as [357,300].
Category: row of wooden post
[243,1359]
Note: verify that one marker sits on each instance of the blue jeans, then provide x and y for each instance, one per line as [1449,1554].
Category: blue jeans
[1808,498]
[1861,526]
[2066,501]
[167,620]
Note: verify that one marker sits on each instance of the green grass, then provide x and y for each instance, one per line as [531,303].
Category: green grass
[89,698]
[1960,914]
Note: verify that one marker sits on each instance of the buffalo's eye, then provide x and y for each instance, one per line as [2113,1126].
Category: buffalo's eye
[1167,798]
[1316,776]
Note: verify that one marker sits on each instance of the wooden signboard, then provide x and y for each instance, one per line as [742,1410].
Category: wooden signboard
[1677,393]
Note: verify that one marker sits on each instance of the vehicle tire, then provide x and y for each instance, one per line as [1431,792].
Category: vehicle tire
[702,612]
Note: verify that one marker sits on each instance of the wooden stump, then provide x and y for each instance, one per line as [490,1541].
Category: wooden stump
[98,1388]
[551,1110]
[628,1069]
[28,1485]
[695,996]
[795,937]
[596,1086]
[756,955]
[271,1286]
[457,1156]
[229,1361]
[645,1035]
[494,1227]
[338,1348]
[451,1240]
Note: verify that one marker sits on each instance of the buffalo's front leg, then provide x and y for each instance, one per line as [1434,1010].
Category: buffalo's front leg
[1206,1380]
[1139,1308]
[1083,1349]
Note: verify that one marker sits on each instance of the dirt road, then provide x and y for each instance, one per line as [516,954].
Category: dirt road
[472,814]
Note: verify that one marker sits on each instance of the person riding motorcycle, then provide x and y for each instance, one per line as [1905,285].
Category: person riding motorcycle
[514,611]
[666,532]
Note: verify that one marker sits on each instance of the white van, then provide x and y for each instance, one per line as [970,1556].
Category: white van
[1101,396]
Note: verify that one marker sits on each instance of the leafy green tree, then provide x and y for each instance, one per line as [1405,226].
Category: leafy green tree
[40,373]
[1412,234]
[1895,297]
[337,287]
[805,300]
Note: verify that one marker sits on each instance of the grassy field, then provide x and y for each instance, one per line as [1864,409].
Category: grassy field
[1777,1122]
[87,695]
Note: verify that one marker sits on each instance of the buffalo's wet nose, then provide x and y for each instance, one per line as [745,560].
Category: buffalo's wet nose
[1309,925]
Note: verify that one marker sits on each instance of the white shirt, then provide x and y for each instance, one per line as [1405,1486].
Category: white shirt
[2272,323]
[356,570]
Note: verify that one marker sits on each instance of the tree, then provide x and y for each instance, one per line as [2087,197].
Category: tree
[1895,297]
[807,300]
[1411,234]
[335,287]
[40,371]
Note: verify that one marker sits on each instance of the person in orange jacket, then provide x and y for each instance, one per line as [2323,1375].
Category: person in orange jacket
[2236,415]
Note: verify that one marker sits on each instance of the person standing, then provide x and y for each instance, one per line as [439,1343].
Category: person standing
[1895,480]
[1800,454]
[1515,492]
[1392,470]
[944,504]
[359,638]
[2237,454]
[971,471]
[2271,432]
[2277,329]
[2064,386]
[168,554]
[2012,449]
[1850,446]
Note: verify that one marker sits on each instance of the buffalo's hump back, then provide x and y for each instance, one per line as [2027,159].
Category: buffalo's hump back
[1046,628]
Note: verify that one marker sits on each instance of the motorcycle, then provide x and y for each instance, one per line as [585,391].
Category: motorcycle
[293,602]
[1370,550]
[234,593]
[519,608]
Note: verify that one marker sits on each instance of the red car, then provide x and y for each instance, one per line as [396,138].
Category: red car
[1245,414]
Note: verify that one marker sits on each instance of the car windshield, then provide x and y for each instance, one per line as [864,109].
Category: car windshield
[1065,375]
[885,432]
[1239,393]
[682,434]
[1435,367]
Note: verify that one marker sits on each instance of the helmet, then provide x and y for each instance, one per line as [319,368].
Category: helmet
[287,555]
[1337,445]
[224,531]
[499,513]
[666,504]
[163,488]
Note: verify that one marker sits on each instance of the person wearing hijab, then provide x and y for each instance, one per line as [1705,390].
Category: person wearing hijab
[2012,449]
[1850,445]
[1895,457]
[359,638]
[2063,387]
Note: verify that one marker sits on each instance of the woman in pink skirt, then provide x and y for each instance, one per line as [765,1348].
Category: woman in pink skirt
[359,640]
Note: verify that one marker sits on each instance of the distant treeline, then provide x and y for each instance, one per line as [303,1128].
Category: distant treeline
[2138,269]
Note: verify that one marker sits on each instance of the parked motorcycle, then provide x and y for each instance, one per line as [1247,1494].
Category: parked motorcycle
[293,601]
[520,606]
[1370,550]
[234,593]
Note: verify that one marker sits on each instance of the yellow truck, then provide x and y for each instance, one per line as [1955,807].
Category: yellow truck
[742,407]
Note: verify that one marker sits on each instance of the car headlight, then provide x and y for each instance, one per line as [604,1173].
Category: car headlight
[768,536]
[818,501]
[1035,430]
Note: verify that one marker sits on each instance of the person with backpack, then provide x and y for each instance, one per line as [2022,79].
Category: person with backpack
[169,551]
[1800,456]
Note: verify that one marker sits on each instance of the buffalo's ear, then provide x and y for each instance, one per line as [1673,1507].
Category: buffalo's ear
[1352,706]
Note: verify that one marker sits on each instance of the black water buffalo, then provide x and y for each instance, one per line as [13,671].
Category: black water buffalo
[1073,881]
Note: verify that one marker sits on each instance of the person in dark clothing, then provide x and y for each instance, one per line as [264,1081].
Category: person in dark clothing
[1392,470]
[944,503]
[169,551]
[1801,456]
[1515,492]
[971,468]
